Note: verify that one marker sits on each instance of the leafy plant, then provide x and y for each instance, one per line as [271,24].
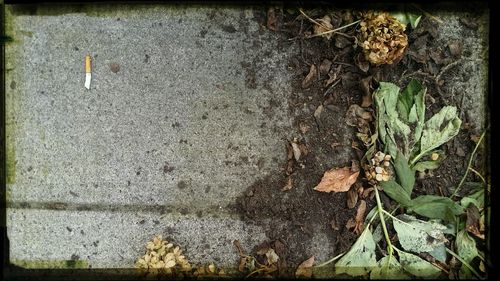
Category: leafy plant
[409,139]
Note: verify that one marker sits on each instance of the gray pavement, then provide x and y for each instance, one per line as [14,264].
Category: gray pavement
[195,114]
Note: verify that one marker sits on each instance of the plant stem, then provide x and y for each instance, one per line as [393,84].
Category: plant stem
[469,165]
[464,263]
[331,260]
[382,221]
[336,29]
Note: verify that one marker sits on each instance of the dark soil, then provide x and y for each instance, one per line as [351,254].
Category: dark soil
[292,217]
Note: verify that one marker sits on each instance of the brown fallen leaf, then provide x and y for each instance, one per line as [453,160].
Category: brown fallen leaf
[271,19]
[288,185]
[296,150]
[352,197]
[361,62]
[306,83]
[337,180]
[333,75]
[360,217]
[325,66]
[365,83]
[305,268]
[325,25]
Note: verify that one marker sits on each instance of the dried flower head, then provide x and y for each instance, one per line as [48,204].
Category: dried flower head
[162,255]
[382,38]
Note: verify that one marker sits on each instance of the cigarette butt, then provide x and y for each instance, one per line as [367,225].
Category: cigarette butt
[88,64]
[88,69]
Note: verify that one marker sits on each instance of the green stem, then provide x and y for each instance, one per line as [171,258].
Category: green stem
[382,221]
[469,165]
[331,260]
[464,263]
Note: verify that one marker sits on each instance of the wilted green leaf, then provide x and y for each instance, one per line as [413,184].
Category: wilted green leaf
[406,176]
[466,249]
[439,129]
[388,268]
[426,165]
[476,198]
[417,266]
[436,207]
[406,100]
[408,18]
[386,97]
[361,257]
[396,192]
[439,253]
[418,236]
[466,246]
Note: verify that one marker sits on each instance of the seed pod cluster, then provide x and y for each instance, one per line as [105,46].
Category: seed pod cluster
[379,170]
[160,254]
[382,38]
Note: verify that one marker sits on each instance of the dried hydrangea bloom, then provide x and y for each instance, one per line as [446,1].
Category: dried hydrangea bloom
[382,38]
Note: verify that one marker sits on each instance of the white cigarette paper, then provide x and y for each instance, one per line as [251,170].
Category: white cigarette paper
[88,71]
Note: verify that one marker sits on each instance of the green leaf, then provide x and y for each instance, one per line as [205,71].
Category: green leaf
[426,165]
[476,198]
[418,236]
[396,192]
[466,246]
[436,207]
[417,266]
[386,97]
[420,111]
[361,257]
[408,18]
[439,253]
[439,129]
[388,268]
[406,100]
[466,249]
[405,175]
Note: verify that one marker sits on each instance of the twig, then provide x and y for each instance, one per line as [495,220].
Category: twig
[464,263]
[446,68]
[469,165]
[478,174]
[331,260]
[335,30]
[331,87]
[313,21]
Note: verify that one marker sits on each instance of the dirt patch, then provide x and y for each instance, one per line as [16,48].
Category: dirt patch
[294,216]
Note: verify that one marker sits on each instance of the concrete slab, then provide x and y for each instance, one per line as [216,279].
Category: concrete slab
[195,114]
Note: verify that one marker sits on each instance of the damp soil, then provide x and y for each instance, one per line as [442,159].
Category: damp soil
[295,216]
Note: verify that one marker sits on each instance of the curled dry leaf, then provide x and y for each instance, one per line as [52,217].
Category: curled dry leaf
[288,185]
[305,268]
[306,83]
[333,74]
[337,180]
[360,217]
[352,197]
[365,84]
[325,24]
[271,19]
[296,150]
[317,113]
[325,66]
[362,63]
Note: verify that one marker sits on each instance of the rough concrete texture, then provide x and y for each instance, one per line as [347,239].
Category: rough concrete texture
[195,114]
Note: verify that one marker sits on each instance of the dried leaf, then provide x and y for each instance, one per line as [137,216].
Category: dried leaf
[360,217]
[337,180]
[365,83]
[362,63]
[296,150]
[288,185]
[325,66]
[325,25]
[271,256]
[271,19]
[352,197]
[305,268]
[306,83]
[333,75]
[317,113]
